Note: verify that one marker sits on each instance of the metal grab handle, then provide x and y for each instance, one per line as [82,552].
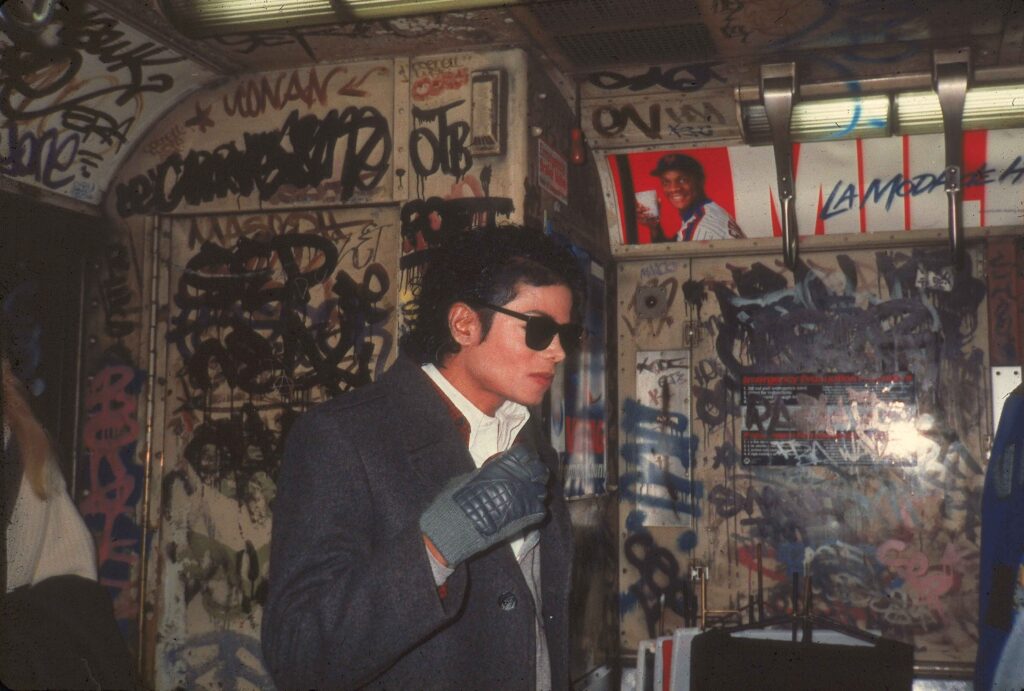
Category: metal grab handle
[38,17]
[790,241]
[954,193]
[950,77]
[778,91]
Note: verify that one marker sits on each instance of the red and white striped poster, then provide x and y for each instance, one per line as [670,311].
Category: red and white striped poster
[854,186]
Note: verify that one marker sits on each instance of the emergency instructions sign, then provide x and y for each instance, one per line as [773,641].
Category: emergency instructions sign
[829,419]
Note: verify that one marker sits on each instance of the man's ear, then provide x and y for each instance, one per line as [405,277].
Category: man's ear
[464,324]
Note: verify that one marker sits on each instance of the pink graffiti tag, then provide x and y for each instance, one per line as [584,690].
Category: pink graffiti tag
[926,584]
[109,428]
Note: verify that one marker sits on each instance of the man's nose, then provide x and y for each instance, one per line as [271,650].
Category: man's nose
[555,350]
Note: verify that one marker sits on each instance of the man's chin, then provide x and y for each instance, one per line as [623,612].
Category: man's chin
[529,400]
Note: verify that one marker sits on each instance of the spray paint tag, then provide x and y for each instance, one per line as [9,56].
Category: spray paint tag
[931,280]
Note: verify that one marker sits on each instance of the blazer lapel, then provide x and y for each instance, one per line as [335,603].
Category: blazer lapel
[420,417]
[436,451]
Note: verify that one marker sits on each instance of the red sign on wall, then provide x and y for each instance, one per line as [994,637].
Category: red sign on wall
[552,172]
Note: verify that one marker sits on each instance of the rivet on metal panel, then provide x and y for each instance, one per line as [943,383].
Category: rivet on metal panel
[691,333]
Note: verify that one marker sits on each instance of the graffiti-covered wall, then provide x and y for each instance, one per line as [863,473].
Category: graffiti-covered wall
[299,307]
[268,233]
[74,98]
[830,419]
[113,443]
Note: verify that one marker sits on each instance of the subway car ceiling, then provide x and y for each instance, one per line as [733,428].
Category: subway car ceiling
[83,94]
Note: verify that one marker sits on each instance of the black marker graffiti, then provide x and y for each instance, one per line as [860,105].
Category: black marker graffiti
[301,153]
[81,32]
[241,322]
[731,27]
[684,78]
[366,30]
[357,240]
[231,453]
[686,120]
[447,148]
[1005,309]
[779,327]
[661,584]
[712,393]
[426,223]
[695,295]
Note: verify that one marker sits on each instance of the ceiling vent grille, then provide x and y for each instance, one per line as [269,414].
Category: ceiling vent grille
[573,16]
[662,44]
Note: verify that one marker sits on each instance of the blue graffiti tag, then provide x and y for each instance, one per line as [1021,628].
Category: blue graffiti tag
[654,433]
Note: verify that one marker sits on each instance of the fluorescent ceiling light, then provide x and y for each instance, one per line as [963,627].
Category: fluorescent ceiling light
[986,108]
[203,18]
[911,112]
[821,121]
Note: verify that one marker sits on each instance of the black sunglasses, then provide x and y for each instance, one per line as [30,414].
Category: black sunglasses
[541,330]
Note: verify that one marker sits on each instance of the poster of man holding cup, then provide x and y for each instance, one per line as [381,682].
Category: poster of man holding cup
[672,196]
[682,182]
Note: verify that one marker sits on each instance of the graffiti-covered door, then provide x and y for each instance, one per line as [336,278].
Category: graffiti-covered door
[268,314]
[838,427]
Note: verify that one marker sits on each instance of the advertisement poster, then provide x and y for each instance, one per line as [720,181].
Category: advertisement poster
[850,186]
[578,399]
[829,419]
[676,196]
[662,438]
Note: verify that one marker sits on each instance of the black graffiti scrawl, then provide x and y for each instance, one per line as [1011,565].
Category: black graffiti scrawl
[239,454]
[245,318]
[889,546]
[301,154]
[924,324]
[70,96]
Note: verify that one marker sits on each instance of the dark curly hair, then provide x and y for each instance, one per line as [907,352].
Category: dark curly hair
[485,265]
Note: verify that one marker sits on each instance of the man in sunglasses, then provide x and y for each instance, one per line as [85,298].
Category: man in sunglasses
[420,538]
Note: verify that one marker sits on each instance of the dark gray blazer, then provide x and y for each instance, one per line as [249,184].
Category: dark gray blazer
[352,597]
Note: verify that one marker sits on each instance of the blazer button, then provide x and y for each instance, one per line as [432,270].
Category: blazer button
[508,601]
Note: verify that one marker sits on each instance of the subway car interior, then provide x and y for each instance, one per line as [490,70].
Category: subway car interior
[789,447]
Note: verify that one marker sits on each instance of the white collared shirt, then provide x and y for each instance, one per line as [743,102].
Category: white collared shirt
[487,435]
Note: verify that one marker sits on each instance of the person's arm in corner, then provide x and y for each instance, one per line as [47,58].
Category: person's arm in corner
[342,608]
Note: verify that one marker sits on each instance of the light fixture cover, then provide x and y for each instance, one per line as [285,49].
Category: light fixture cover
[986,108]
[818,121]
[205,18]
[910,112]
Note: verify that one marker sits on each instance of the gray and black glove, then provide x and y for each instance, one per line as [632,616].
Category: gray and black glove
[490,504]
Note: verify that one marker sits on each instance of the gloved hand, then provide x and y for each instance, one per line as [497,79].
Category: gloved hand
[484,507]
